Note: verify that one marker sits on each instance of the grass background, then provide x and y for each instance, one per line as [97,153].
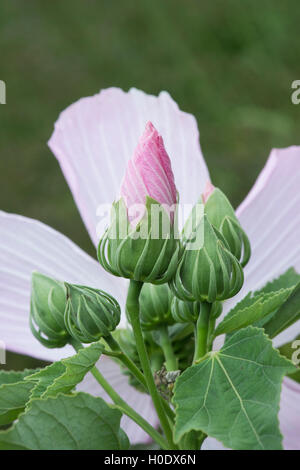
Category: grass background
[229,63]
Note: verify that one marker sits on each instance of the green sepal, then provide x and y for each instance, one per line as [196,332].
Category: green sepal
[47,306]
[222,216]
[90,313]
[188,312]
[155,306]
[210,272]
[134,253]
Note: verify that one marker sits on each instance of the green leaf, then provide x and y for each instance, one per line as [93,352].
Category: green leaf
[14,376]
[233,394]
[76,422]
[288,279]
[64,375]
[14,394]
[18,388]
[286,315]
[252,309]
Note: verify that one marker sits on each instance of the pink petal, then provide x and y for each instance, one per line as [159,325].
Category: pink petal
[27,245]
[149,173]
[140,402]
[96,136]
[209,187]
[270,215]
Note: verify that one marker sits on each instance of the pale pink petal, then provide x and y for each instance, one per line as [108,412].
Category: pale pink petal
[140,402]
[270,215]
[289,415]
[96,136]
[27,245]
[212,444]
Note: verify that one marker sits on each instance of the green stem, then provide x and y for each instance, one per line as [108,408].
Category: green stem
[122,356]
[201,331]
[122,405]
[166,346]
[132,307]
[211,329]
[118,353]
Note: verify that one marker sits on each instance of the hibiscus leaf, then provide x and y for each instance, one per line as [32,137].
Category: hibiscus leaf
[252,309]
[14,394]
[288,279]
[63,376]
[286,315]
[233,394]
[67,422]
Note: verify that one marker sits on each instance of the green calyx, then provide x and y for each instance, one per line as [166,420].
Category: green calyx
[47,307]
[221,215]
[155,306]
[188,312]
[208,272]
[90,313]
[149,252]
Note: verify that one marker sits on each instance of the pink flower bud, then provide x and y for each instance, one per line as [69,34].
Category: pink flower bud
[149,173]
[208,190]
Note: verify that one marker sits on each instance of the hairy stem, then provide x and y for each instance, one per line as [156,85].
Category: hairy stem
[166,346]
[201,331]
[132,307]
[118,353]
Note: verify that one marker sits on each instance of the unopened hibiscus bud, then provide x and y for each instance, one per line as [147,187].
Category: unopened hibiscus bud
[90,313]
[221,215]
[47,307]
[155,306]
[141,242]
[188,312]
[208,273]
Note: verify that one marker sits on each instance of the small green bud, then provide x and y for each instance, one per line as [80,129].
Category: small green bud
[155,306]
[221,215]
[210,272]
[90,313]
[184,311]
[147,252]
[188,312]
[47,306]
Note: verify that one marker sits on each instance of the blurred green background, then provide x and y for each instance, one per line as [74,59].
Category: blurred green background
[229,63]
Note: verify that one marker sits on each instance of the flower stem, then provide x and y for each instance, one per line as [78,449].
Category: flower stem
[122,356]
[118,353]
[122,405]
[166,346]
[201,331]
[133,311]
